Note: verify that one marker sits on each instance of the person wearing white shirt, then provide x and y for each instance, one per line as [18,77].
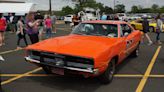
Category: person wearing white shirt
[159,29]
[12,24]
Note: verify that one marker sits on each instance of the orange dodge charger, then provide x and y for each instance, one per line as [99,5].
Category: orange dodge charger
[93,48]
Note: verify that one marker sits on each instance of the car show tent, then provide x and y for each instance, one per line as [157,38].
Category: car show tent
[20,8]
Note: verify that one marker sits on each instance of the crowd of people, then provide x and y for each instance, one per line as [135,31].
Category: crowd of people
[159,29]
[33,25]
[77,18]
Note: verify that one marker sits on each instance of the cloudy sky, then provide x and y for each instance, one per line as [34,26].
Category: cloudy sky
[58,4]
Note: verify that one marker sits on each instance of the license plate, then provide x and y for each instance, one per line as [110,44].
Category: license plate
[58,71]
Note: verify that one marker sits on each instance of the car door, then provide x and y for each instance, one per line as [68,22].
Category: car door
[129,38]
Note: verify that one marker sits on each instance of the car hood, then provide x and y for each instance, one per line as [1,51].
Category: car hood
[76,45]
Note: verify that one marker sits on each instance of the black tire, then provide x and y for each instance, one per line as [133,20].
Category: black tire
[47,69]
[66,22]
[135,53]
[151,29]
[133,26]
[107,76]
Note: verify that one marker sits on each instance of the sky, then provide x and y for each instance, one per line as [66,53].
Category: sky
[58,4]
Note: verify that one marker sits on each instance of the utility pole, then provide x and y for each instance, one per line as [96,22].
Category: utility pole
[50,8]
[114,6]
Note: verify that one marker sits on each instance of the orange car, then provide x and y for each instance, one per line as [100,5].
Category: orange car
[93,48]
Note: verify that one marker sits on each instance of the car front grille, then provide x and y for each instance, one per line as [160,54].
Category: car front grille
[61,60]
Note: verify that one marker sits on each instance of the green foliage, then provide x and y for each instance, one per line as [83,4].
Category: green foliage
[146,10]
[154,9]
[81,4]
[134,9]
[88,3]
[107,10]
[120,8]
[161,10]
[67,10]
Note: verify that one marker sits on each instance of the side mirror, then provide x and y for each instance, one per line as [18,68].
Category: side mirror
[126,34]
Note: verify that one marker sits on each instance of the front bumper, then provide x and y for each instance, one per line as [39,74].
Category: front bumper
[92,71]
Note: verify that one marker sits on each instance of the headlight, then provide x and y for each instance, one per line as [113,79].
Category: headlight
[33,54]
[79,65]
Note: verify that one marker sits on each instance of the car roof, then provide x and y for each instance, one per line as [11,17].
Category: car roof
[105,22]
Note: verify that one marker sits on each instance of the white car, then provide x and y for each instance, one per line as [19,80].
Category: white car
[122,16]
[133,17]
[68,19]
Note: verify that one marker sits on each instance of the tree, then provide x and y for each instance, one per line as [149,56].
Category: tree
[88,3]
[67,10]
[155,8]
[146,10]
[107,10]
[161,10]
[140,8]
[81,4]
[120,8]
[134,9]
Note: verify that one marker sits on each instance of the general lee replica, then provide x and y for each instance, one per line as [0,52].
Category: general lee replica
[93,48]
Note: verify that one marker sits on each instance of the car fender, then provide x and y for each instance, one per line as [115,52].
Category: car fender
[102,61]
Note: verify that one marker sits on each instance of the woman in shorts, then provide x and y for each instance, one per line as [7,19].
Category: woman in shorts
[2,29]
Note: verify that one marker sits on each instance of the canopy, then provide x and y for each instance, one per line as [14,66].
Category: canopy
[17,7]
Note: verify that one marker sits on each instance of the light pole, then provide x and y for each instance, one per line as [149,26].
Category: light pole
[50,8]
[114,3]
[114,6]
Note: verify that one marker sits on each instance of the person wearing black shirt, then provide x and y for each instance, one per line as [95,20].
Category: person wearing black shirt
[145,25]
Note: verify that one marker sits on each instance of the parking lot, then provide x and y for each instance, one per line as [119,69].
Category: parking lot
[142,74]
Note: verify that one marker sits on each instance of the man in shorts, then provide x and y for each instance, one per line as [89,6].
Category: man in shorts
[145,25]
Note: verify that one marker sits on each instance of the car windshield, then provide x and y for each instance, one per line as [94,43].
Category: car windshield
[110,30]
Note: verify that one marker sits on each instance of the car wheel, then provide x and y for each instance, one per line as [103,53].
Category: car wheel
[135,53]
[66,22]
[47,69]
[107,76]
[151,29]
[134,26]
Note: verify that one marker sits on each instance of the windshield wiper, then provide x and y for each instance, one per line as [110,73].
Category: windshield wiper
[79,33]
[96,34]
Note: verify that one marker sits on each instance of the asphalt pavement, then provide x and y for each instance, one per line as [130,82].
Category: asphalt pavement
[142,74]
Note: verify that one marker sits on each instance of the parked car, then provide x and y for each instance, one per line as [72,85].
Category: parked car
[94,48]
[133,17]
[68,19]
[122,16]
[137,24]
